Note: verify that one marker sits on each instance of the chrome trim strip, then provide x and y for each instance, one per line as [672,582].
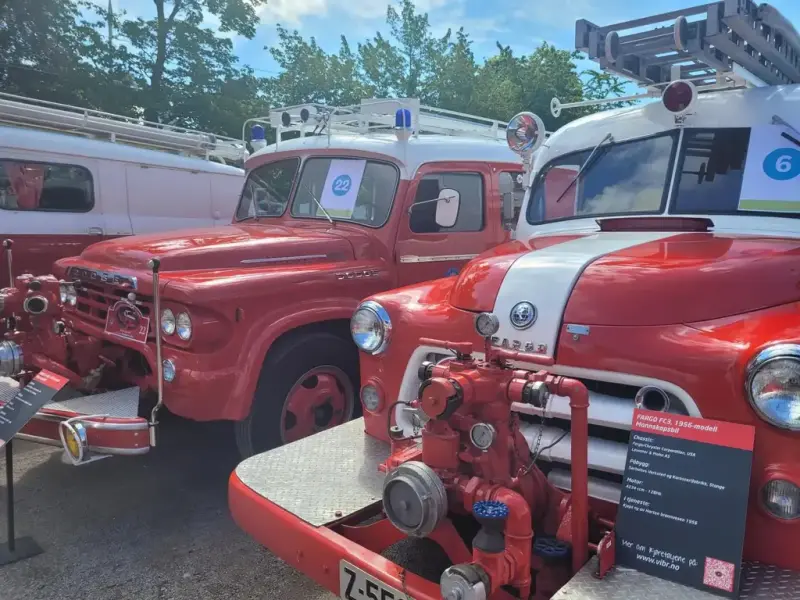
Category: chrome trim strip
[275,259]
[95,449]
[410,259]
[38,440]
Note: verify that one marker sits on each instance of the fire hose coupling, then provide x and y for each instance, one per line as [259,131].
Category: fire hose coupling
[464,582]
[11,359]
[440,397]
[536,393]
[492,516]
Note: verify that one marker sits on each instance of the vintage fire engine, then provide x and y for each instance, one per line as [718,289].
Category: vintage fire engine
[71,177]
[249,322]
[498,405]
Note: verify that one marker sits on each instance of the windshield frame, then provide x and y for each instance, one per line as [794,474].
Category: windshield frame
[295,180]
[666,198]
[322,217]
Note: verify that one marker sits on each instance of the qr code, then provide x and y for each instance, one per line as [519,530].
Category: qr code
[719,574]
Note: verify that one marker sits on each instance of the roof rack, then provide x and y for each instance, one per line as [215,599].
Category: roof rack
[727,44]
[65,118]
[376,115]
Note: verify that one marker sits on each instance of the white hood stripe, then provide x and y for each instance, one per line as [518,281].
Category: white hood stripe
[546,278]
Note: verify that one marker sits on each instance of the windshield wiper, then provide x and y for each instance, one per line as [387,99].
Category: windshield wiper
[319,205]
[586,165]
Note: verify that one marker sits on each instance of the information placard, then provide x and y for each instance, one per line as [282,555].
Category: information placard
[684,500]
[15,413]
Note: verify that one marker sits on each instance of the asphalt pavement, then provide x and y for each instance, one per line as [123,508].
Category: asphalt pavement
[144,528]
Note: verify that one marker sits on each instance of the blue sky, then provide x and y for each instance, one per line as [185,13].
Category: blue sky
[521,24]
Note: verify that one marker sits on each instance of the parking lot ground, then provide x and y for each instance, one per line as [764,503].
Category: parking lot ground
[144,528]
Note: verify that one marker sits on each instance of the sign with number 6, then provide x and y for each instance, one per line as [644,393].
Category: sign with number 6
[770,181]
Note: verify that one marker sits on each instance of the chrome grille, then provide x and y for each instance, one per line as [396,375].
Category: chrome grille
[94,301]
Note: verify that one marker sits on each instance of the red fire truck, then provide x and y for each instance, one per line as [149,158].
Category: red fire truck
[498,405]
[249,322]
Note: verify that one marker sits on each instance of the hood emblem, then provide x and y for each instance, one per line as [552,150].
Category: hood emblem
[523,315]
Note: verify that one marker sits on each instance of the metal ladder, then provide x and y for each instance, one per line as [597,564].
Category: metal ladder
[735,40]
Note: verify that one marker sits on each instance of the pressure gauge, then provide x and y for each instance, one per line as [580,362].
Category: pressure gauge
[482,435]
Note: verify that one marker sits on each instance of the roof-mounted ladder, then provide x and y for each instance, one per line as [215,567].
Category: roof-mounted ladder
[64,118]
[719,45]
[379,115]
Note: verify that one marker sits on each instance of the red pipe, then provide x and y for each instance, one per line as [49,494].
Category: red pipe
[579,408]
[515,567]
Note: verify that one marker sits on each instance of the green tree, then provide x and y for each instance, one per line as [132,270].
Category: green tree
[41,48]
[309,74]
[174,55]
[408,69]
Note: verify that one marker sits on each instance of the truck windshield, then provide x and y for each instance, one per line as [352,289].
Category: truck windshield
[355,190]
[267,189]
[625,178]
[710,177]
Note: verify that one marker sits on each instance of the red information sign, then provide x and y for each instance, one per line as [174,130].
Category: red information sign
[15,413]
[126,320]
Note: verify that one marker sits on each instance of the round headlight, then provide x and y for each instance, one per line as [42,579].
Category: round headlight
[184,326]
[68,294]
[773,385]
[371,327]
[167,322]
[782,499]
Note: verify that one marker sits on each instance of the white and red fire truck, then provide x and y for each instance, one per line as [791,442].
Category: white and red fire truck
[249,322]
[71,177]
[655,265]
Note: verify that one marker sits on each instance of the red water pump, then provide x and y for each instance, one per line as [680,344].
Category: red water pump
[474,459]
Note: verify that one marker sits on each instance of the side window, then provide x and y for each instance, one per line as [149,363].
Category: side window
[512,192]
[33,186]
[712,170]
[470,202]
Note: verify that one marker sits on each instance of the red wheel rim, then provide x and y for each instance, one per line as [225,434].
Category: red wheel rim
[320,399]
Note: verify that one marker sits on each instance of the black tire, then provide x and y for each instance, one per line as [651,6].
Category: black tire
[286,364]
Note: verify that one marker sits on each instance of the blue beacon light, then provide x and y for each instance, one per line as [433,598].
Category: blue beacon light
[402,123]
[258,137]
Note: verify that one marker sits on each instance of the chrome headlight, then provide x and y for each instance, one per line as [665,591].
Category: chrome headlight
[167,322]
[371,327]
[183,325]
[68,294]
[773,385]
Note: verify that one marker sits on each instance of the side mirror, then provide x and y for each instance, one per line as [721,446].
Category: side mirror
[447,205]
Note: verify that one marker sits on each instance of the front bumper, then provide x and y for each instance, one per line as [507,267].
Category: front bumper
[305,502]
[109,421]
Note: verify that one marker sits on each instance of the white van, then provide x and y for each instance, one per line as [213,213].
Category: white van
[60,192]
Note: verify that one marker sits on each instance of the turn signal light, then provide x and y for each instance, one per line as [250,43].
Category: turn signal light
[781,498]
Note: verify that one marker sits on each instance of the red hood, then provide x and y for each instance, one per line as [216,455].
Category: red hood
[613,278]
[221,247]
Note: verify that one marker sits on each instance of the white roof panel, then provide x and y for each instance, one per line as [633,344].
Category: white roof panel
[33,140]
[411,154]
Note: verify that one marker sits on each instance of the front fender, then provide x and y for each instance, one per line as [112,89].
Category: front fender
[262,334]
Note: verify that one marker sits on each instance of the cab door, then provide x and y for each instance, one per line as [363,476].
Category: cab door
[446,220]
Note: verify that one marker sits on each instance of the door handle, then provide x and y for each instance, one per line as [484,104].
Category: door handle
[95,231]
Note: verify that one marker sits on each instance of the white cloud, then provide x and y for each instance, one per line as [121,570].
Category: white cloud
[293,12]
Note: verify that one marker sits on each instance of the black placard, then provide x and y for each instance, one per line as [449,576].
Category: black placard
[684,500]
[15,413]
